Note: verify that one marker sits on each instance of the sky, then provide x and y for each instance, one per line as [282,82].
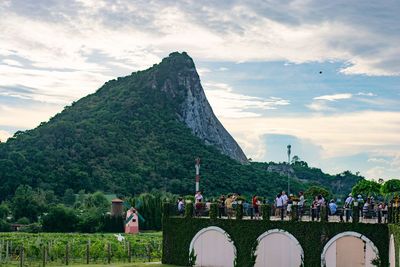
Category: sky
[323,76]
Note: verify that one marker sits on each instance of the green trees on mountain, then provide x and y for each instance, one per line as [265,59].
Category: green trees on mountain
[127,139]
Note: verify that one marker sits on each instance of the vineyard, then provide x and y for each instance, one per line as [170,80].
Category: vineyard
[54,249]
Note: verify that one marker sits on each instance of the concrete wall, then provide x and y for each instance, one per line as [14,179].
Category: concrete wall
[392,252]
[349,249]
[278,248]
[213,248]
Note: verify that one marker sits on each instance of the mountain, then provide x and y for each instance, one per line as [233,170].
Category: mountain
[135,134]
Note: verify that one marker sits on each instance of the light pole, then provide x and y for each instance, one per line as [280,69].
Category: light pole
[288,181]
[197,166]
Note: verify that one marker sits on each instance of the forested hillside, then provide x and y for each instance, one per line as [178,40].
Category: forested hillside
[127,138]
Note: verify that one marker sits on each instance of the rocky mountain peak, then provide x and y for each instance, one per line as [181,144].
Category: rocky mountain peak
[179,78]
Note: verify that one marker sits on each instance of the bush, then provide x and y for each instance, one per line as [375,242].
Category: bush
[189,210]
[266,212]
[113,224]
[4,226]
[90,221]
[60,219]
[213,211]
[31,228]
[23,220]
[239,211]
[4,211]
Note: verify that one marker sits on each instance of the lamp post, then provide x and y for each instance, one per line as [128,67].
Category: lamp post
[288,180]
[197,166]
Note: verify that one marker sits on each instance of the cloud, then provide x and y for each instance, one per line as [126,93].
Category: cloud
[4,135]
[229,104]
[319,106]
[366,94]
[140,31]
[28,116]
[338,135]
[333,97]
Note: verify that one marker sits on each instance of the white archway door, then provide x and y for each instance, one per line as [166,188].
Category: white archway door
[349,249]
[213,248]
[278,248]
[392,252]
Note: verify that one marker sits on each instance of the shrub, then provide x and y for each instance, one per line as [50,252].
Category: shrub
[266,212]
[4,226]
[23,220]
[60,219]
[189,210]
[213,211]
[239,211]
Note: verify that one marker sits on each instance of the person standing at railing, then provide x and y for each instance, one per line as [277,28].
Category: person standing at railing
[256,205]
[221,206]
[278,205]
[301,204]
[285,203]
[229,206]
[348,204]
[332,207]
[314,206]
[181,206]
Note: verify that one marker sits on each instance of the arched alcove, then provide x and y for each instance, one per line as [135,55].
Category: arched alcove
[349,249]
[213,247]
[278,248]
[392,252]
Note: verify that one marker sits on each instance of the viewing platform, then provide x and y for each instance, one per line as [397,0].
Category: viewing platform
[207,240]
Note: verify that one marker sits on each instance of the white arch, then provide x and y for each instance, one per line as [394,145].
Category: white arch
[392,252]
[219,230]
[287,234]
[348,233]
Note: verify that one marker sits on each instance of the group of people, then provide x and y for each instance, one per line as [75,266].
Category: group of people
[283,206]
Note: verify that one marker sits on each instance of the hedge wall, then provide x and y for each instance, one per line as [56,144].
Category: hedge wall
[178,233]
[395,231]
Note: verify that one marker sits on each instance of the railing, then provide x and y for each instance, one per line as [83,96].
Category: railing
[269,213]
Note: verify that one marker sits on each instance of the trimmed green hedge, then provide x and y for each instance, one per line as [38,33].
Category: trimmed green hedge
[395,231]
[178,233]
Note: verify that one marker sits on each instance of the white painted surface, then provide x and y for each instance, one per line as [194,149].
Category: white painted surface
[330,256]
[213,248]
[392,253]
[278,248]
[349,249]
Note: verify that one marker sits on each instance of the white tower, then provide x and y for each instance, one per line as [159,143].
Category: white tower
[197,166]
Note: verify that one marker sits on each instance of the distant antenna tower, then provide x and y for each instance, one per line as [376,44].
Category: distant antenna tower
[288,180]
[197,166]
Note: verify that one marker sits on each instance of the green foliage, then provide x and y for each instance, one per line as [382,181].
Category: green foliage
[213,211]
[143,247]
[69,197]
[324,214]
[128,139]
[189,210]
[317,190]
[31,228]
[4,226]
[239,211]
[4,211]
[23,220]
[192,258]
[366,188]
[266,212]
[391,186]
[26,203]
[312,236]
[90,221]
[60,219]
